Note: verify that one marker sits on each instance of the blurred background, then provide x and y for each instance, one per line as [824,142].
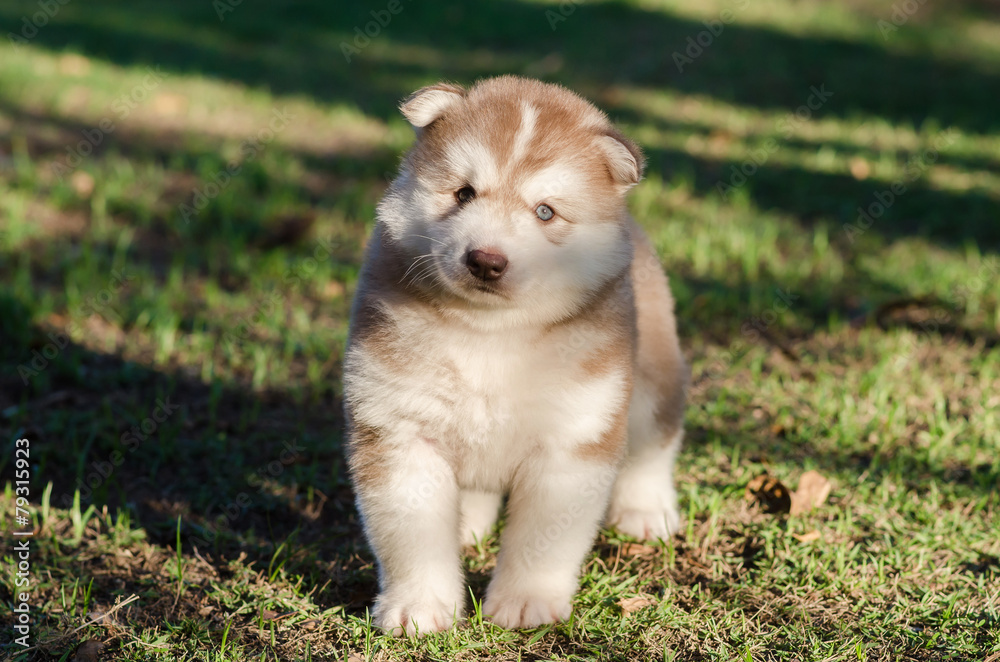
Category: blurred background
[185,193]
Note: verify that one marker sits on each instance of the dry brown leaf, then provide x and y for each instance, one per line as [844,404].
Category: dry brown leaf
[769,493]
[82,183]
[629,605]
[333,289]
[807,537]
[637,549]
[859,168]
[72,64]
[169,103]
[813,490]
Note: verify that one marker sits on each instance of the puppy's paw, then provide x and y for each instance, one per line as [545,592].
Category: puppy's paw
[655,524]
[417,616]
[526,609]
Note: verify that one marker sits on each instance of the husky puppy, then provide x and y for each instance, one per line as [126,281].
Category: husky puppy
[512,335]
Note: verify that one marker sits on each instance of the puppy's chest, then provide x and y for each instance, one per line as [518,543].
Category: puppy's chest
[503,393]
[486,386]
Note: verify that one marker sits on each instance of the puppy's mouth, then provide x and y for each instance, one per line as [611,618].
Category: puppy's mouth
[489,288]
[480,286]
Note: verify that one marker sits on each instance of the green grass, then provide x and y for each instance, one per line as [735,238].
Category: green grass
[175,359]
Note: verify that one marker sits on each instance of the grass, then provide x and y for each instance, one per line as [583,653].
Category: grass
[173,328]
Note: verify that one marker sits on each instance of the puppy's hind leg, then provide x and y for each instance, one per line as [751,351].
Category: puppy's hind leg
[644,501]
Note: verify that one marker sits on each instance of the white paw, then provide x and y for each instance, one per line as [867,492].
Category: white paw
[656,524]
[416,617]
[526,610]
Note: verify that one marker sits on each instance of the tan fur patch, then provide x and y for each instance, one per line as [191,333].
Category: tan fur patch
[659,362]
[364,457]
[610,447]
[566,129]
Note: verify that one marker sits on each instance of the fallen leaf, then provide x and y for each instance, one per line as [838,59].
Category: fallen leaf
[74,65]
[168,103]
[769,493]
[629,605]
[82,183]
[813,490]
[88,651]
[333,289]
[807,537]
[859,168]
[637,549]
[205,611]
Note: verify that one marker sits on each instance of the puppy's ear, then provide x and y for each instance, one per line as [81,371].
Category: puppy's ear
[429,103]
[625,160]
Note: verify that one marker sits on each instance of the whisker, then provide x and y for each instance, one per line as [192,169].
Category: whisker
[417,260]
[429,270]
[423,236]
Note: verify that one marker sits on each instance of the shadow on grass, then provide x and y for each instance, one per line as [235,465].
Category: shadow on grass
[225,441]
[244,470]
[297,49]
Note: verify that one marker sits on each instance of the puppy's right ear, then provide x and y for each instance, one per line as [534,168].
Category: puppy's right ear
[429,103]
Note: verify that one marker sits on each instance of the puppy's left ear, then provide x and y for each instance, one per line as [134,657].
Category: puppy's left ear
[429,103]
[625,160]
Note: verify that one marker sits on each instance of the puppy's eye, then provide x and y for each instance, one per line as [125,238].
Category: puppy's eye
[544,212]
[464,195]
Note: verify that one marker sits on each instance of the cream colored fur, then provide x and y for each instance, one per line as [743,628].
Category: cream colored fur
[560,385]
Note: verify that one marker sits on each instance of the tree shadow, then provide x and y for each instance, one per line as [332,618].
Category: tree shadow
[299,49]
[227,439]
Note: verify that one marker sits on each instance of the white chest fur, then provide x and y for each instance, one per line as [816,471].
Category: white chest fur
[485,401]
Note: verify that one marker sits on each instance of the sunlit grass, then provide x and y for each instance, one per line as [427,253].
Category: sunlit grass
[870,356]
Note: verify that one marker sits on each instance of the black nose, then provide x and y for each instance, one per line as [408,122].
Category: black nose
[487,266]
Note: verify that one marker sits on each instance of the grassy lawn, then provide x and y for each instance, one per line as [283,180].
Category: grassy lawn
[185,193]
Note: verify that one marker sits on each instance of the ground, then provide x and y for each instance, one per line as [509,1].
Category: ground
[185,192]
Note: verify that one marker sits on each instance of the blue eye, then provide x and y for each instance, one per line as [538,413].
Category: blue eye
[544,212]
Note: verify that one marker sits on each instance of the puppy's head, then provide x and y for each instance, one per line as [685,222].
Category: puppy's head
[510,206]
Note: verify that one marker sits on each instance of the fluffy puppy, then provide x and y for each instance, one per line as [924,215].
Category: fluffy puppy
[512,334]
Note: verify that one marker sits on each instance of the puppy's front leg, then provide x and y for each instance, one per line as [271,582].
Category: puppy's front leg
[554,510]
[408,498]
